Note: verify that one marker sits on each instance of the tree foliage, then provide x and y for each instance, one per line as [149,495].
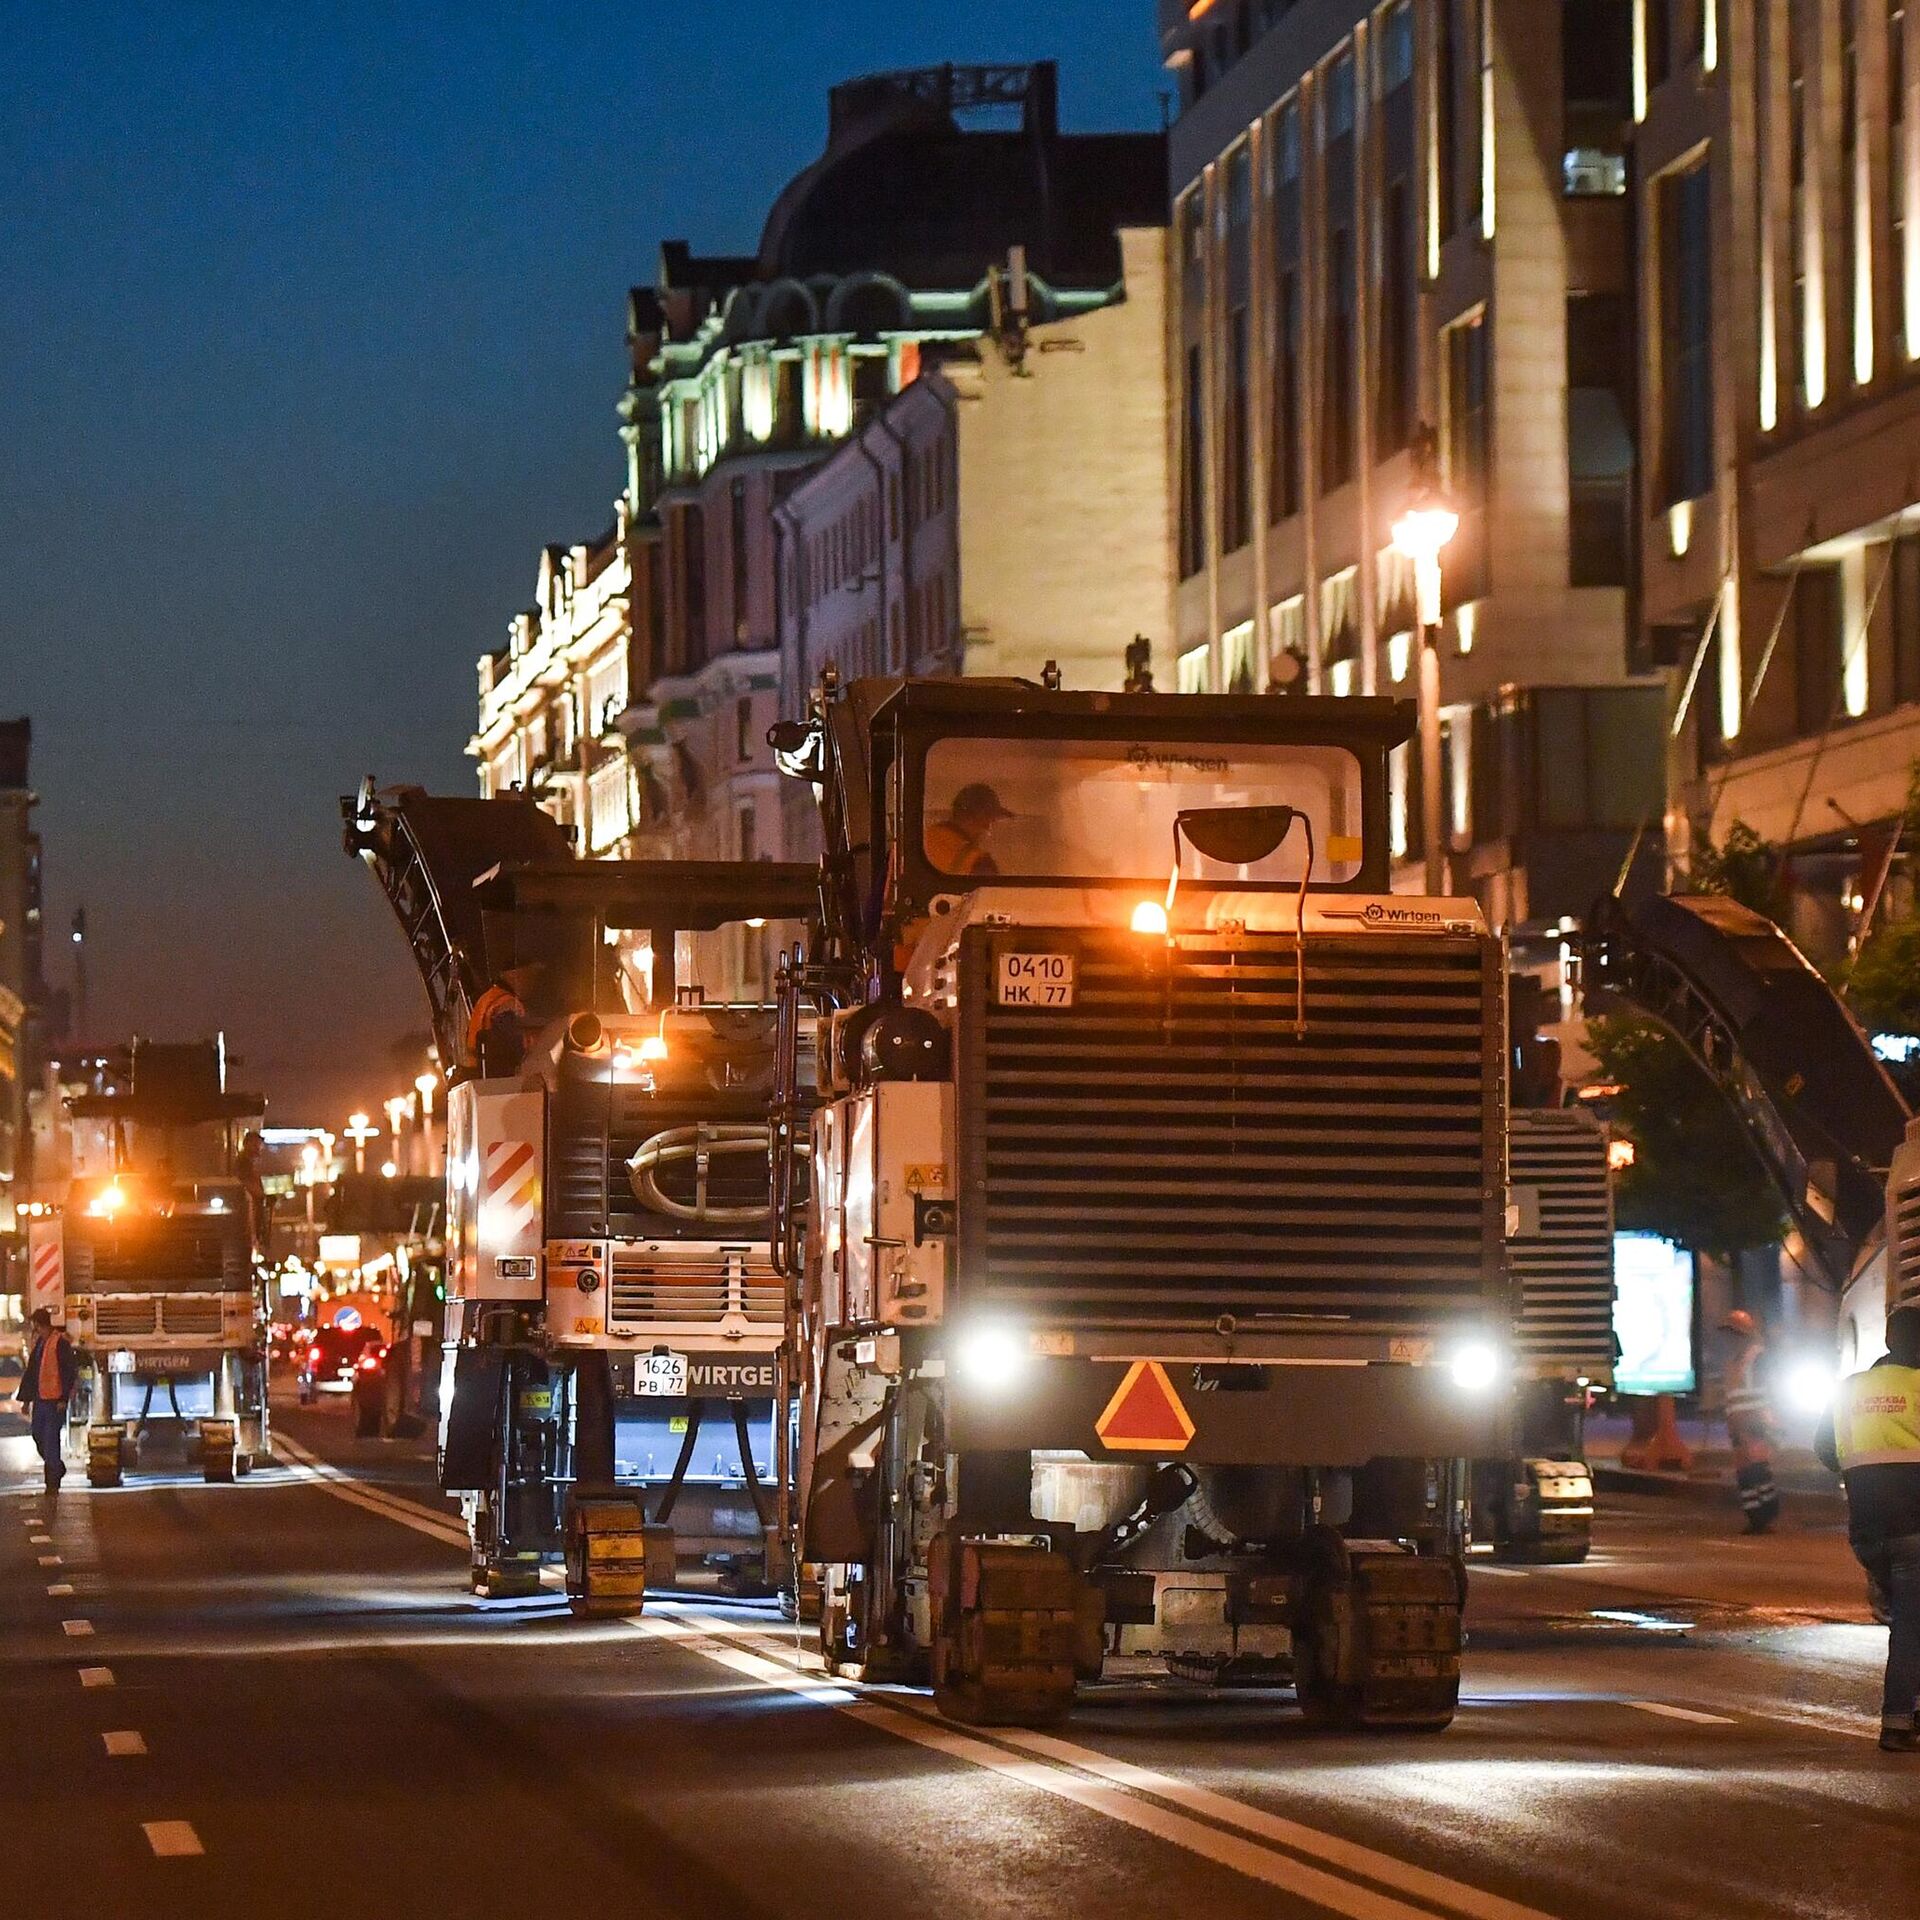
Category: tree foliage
[1744,867]
[1883,983]
[1694,1177]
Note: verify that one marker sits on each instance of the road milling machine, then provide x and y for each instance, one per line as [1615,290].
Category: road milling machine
[151,1266]
[1152,1297]
[610,1292]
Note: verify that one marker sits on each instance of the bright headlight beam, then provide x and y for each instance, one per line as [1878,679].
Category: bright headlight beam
[993,1357]
[1149,917]
[1810,1385]
[1475,1365]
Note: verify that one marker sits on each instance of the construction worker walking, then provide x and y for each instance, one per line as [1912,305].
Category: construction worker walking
[1872,1437]
[1750,1422]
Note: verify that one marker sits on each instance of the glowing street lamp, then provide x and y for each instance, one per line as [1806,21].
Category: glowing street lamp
[1426,523]
[360,1130]
[425,1085]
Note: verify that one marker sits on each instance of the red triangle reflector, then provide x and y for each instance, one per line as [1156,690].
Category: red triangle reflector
[1145,1414]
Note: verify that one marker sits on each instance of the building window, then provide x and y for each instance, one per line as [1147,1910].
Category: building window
[693,568]
[1448,118]
[1596,103]
[1284,453]
[1907,319]
[743,727]
[1394,416]
[1287,144]
[1817,649]
[1659,36]
[1336,427]
[1236,516]
[1191,670]
[1856,241]
[1686,335]
[1193,498]
[1904,589]
[1339,97]
[1599,437]
[1238,665]
[1469,451]
[1396,46]
[1809,278]
[737,540]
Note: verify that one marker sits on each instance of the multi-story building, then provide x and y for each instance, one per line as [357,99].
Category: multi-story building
[1393,215]
[25,1005]
[1778,198]
[552,699]
[948,216]
[1007,509]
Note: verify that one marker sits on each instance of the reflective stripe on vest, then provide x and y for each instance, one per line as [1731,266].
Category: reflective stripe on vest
[1876,1418]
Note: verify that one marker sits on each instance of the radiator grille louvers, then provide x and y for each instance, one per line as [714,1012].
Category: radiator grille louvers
[1168,1149]
[1564,1271]
[117,1319]
[653,1286]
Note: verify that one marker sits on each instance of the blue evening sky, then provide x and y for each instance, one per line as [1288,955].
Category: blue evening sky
[310,336]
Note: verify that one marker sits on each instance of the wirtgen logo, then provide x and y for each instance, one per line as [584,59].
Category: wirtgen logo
[1378,913]
[1142,756]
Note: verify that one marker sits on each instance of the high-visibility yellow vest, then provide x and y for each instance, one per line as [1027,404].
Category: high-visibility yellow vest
[1876,1418]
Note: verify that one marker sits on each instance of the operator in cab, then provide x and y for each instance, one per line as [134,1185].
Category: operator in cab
[1872,1437]
[497,1028]
[957,844]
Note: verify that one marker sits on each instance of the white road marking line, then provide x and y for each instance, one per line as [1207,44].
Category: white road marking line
[49,1559]
[76,1629]
[59,1589]
[171,1839]
[96,1676]
[124,1746]
[1417,1882]
[39,1539]
[1498,1573]
[1667,1711]
[1819,1723]
[1105,1794]
[330,1479]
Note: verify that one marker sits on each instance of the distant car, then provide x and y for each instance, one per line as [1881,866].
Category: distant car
[328,1360]
[370,1390]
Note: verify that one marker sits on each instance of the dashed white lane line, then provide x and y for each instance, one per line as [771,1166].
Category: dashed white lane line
[49,1559]
[124,1745]
[76,1629]
[39,1539]
[172,1839]
[59,1589]
[96,1676]
[1667,1711]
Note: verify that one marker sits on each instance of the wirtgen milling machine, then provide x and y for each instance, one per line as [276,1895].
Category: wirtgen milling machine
[1152,1297]
[151,1263]
[608,1202]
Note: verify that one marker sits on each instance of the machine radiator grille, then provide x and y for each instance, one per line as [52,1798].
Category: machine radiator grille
[1169,1149]
[1564,1270]
[652,1287]
[190,1314]
[106,1258]
[125,1319]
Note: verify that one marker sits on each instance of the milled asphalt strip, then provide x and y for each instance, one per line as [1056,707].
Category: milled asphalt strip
[1114,1790]
[1348,1856]
[319,1473]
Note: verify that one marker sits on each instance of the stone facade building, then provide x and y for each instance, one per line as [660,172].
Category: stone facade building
[1390,215]
[1778,182]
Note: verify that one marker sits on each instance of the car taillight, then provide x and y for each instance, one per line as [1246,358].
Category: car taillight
[370,1361]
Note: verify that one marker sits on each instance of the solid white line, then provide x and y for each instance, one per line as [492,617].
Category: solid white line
[171,1839]
[124,1746]
[1818,1723]
[330,1479]
[1691,1714]
[96,1676]
[76,1629]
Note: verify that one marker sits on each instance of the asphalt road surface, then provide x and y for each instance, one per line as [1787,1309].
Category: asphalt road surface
[276,1699]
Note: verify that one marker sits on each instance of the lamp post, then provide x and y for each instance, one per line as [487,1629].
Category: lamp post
[1426,523]
[425,1085]
[360,1130]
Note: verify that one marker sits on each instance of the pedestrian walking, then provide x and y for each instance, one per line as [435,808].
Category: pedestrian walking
[1872,1437]
[1750,1424]
[46,1385]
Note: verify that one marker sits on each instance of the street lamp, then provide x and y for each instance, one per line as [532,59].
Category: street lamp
[1426,523]
[425,1085]
[360,1130]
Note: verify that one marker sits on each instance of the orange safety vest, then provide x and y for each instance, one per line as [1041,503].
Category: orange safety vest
[952,851]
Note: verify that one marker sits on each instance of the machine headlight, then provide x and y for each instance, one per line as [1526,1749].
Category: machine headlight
[1475,1366]
[1149,917]
[991,1355]
[1810,1385]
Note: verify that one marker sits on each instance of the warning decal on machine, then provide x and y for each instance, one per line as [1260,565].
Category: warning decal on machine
[1145,1414]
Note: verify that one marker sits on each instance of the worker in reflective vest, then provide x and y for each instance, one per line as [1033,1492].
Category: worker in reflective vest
[1873,1438]
[497,1027]
[1750,1423]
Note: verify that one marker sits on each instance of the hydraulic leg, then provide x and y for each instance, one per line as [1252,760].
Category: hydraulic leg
[220,1432]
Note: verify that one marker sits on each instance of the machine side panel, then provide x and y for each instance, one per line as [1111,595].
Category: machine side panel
[47,1268]
[508,1159]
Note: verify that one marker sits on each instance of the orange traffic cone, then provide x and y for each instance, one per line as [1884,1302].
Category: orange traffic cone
[1656,1446]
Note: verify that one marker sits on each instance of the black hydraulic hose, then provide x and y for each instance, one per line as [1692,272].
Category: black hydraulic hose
[746,1463]
[680,1466]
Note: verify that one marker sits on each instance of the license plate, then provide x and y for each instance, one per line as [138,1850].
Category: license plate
[660,1375]
[1036,980]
